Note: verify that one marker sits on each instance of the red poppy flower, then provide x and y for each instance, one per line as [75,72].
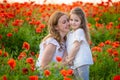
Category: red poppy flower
[33,77]
[30,60]
[5,54]
[47,73]
[24,70]
[69,71]
[22,55]
[66,78]
[116,77]
[0,36]
[63,72]
[58,58]
[26,46]
[0,52]
[9,34]
[12,63]
[4,77]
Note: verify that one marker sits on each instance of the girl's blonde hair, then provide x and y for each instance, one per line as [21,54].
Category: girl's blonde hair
[52,24]
[79,12]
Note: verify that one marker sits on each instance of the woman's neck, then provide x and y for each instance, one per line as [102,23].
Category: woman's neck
[62,37]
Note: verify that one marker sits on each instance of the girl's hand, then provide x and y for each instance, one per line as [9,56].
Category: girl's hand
[65,63]
[69,60]
[70,63]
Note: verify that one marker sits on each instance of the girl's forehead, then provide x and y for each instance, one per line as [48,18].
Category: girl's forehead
[74,15]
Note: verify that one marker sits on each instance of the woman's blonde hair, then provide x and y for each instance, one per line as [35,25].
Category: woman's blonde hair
[52,24]
[79,12]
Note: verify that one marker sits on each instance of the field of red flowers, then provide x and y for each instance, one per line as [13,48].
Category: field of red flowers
[23,25]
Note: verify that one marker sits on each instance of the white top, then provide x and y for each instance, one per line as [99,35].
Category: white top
[84,55]
[58,52]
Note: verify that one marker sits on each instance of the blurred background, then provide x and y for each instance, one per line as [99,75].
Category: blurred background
[23,25]
[59,1]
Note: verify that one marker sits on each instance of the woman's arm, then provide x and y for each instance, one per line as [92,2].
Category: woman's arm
[47,55]
[64,55]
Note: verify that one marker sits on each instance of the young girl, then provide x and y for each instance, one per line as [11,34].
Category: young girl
[79,53]
[53,44]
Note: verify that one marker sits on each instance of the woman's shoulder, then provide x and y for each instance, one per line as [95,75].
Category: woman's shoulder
[50,40]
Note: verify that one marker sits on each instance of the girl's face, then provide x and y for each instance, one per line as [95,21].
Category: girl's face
[63,24]
[75,21]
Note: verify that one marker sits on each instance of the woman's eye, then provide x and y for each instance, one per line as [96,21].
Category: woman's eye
[68,20]
[64,22]
[71,19]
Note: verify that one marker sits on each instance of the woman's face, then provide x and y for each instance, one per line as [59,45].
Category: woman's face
[75,21]
[63,24]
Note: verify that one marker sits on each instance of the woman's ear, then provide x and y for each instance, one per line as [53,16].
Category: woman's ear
[56,28]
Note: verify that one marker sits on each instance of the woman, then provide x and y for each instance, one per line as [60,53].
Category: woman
[54,43]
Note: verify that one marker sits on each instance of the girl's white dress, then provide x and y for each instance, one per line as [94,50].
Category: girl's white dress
[57,52]
[84,55]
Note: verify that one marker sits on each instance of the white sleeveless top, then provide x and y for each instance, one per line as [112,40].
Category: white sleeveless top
[84,55]
[57,52]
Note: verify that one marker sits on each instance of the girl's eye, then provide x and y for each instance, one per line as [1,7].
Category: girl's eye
[76,20]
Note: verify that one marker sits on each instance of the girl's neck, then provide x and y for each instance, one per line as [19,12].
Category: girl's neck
[75,29]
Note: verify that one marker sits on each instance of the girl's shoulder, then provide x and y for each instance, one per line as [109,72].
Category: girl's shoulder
[79,30]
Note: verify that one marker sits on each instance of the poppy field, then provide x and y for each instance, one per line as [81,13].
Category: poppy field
[23,26]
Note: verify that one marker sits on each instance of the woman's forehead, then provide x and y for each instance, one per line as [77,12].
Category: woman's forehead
[64,17]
